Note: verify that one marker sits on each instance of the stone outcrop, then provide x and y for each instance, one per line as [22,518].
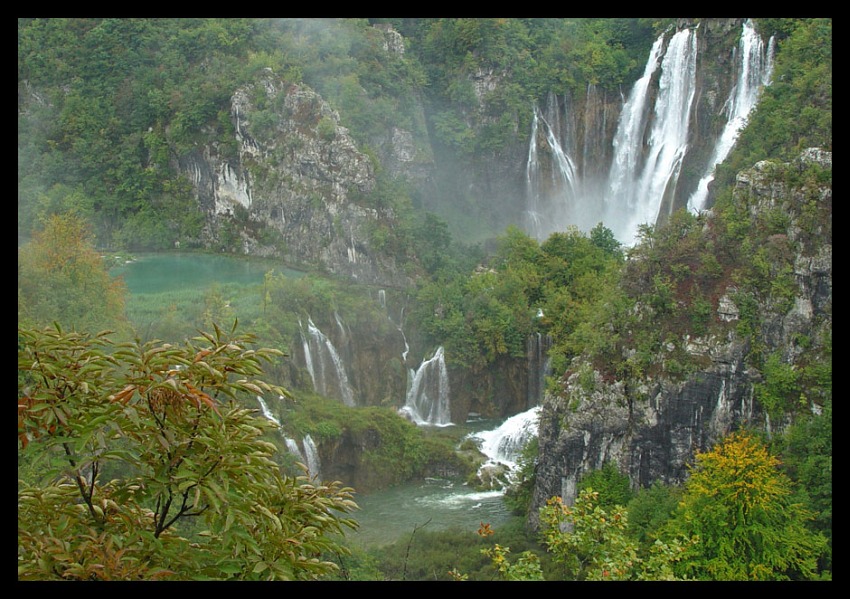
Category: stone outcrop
[296,186]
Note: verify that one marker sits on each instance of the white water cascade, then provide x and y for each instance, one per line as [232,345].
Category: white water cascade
[427,401]
[754,73]
[266,412]
[311,453]
[309,456]
[649,145]
[503,445]
[325,365]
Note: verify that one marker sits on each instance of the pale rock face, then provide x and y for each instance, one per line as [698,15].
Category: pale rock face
[300,176]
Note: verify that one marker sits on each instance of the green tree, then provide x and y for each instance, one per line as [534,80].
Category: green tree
[62,278]
[137,461]
[594,544]
[611,484]
[738,503]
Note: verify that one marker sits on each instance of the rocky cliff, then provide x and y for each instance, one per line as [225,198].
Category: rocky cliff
[651,431]
[296,186]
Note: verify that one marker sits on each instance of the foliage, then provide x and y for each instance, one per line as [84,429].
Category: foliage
[140,463]
[596,546]
[650,509]
[62,278]
[611,485]
[806,452]
[738,503]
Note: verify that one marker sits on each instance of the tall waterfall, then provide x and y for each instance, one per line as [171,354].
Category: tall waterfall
[325,365]
[649,146]
[754,72]
[427,401]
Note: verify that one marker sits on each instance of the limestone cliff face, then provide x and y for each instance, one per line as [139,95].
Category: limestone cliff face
[651,431]
[296,186]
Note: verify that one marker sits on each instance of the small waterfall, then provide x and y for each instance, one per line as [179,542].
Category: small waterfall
[533,212]
[538,367]
[292,446]
[504,444]
[266,412]
[564,181]
[755,69]
[311,453]
[309,456]
[427,401]
[325,366]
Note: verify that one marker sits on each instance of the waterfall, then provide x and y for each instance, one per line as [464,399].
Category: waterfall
[309,457]
[427,401]
[755,69]
[649,146]
[564,179]
[668,139]
[538,367]
[292,446]
[325,366]
[532,174]
[266,412]
[628,141]
[314,468]
[504,444]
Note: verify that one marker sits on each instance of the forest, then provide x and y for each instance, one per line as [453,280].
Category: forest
[141,452]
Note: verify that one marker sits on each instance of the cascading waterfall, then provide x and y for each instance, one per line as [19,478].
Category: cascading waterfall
[427,401]
[668,140]
[504,445]
[649,146]
[311,453]
[628,141]
[325,365]
[309,456]
[754,73]
[266,412]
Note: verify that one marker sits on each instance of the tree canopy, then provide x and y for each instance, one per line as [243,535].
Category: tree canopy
[137,462]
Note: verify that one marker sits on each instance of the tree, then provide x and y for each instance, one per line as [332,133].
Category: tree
[594,544]
[61,277]
[737,502]
[138,461]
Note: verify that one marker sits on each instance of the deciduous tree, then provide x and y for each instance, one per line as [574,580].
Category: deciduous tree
[738,503]
[138,461]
